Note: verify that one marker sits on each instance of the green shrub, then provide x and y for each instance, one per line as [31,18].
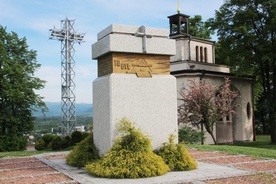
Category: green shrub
[13,143]
[83,152]
[66,142]
[176,156]
[40,145]
[188,135]
[56,143]
[130,156]
[84,135]
[47,138]
[76,137]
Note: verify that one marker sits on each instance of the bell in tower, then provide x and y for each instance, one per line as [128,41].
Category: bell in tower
[179,24]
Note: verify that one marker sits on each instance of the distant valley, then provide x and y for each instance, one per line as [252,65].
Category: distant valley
[54,109]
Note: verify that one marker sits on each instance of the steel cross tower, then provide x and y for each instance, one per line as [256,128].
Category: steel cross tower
[67,36]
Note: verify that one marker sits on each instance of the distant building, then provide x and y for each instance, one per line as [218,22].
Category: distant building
[195,59]
[80,128]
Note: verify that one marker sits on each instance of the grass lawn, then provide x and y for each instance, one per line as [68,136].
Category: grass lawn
[28,153]
[20,153]
[260,148]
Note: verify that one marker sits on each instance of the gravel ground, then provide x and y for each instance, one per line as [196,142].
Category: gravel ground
[32,170]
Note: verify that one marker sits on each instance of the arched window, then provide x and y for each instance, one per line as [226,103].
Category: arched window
[248,110]
[205,55]
[197,53]
[228,118]
[201,54]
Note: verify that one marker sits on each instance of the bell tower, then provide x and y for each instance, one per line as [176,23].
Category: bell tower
[191,52]
[179,24]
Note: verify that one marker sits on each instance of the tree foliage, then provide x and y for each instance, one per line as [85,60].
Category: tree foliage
[45,124]
[247,37]
[204,104]
[188,135]
[199,28]
[17,89]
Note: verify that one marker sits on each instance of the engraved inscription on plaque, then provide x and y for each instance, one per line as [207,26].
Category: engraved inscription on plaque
[140,64]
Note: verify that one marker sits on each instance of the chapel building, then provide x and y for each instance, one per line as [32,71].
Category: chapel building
[195,60]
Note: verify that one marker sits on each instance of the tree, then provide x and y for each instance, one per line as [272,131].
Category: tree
[199,28]
[17,95]
[204,104]
[247,36]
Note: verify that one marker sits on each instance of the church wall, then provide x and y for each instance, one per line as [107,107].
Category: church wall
[206,57]
[243,120]
[203,54]
[242,126]
[182,51]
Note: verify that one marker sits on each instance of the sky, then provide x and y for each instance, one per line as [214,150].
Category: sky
[34,18]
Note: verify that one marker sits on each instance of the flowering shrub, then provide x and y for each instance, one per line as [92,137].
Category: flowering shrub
[205,104]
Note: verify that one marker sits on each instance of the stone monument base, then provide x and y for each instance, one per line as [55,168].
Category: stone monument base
[149,102]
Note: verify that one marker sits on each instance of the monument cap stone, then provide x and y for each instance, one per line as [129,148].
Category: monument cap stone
[133,39]
[132,30]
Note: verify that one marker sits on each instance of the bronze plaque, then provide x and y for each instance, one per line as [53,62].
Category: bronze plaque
[140,64]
